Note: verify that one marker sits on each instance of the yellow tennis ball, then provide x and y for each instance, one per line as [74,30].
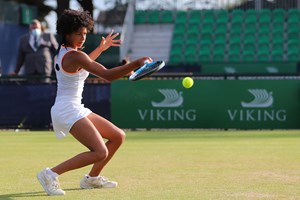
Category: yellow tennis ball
[187,82]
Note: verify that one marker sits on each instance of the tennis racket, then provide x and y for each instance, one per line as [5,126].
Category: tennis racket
[146,70]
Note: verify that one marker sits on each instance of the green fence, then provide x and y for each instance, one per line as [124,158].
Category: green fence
[238,104]
[278,67]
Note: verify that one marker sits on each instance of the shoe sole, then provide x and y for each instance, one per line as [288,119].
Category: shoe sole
[92,187]
[89,188]
[85,186]
[106,187]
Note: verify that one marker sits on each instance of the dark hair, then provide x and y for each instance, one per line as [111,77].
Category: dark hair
[71,21]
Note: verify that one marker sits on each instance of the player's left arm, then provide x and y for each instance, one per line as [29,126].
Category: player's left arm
[78,59]
[105,44]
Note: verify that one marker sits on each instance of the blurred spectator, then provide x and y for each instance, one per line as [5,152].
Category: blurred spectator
[36,50]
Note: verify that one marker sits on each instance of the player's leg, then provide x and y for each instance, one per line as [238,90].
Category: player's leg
[115,137]
[112,133]
[86,133]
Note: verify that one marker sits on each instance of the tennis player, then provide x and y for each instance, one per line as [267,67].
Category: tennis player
[72,67]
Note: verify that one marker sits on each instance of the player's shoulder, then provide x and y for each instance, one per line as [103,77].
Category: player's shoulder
[76,54]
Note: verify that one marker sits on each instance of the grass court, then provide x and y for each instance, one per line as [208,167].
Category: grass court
[161,165]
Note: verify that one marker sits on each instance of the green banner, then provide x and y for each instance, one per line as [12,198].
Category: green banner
[28,13]
[238,104]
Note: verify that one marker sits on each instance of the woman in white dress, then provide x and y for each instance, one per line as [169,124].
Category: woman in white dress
[72,67]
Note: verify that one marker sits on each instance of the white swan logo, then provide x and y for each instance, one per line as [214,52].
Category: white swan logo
[262,99]
[172,98]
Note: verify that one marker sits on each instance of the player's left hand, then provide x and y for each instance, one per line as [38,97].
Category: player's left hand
[110,41]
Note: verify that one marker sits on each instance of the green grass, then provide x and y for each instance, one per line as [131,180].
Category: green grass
[162,165]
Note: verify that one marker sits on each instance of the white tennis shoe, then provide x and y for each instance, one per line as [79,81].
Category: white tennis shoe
[49,183]
[89,182]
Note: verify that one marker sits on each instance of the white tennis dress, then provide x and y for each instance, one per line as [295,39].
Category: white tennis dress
[67,108]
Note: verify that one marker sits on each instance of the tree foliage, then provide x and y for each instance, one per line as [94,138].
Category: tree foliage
[64,4]
[44,10]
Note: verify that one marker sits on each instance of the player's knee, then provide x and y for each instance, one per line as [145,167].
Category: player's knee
[121,137]
[101,155]
[118,138]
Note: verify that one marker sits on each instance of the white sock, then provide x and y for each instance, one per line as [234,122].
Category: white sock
[51,173]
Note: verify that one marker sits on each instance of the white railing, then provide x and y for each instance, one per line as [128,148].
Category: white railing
[127,30]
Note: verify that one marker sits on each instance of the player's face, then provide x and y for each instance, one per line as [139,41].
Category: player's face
[77,38]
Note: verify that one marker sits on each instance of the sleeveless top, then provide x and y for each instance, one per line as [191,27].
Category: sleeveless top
[69,85]
[67,108]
